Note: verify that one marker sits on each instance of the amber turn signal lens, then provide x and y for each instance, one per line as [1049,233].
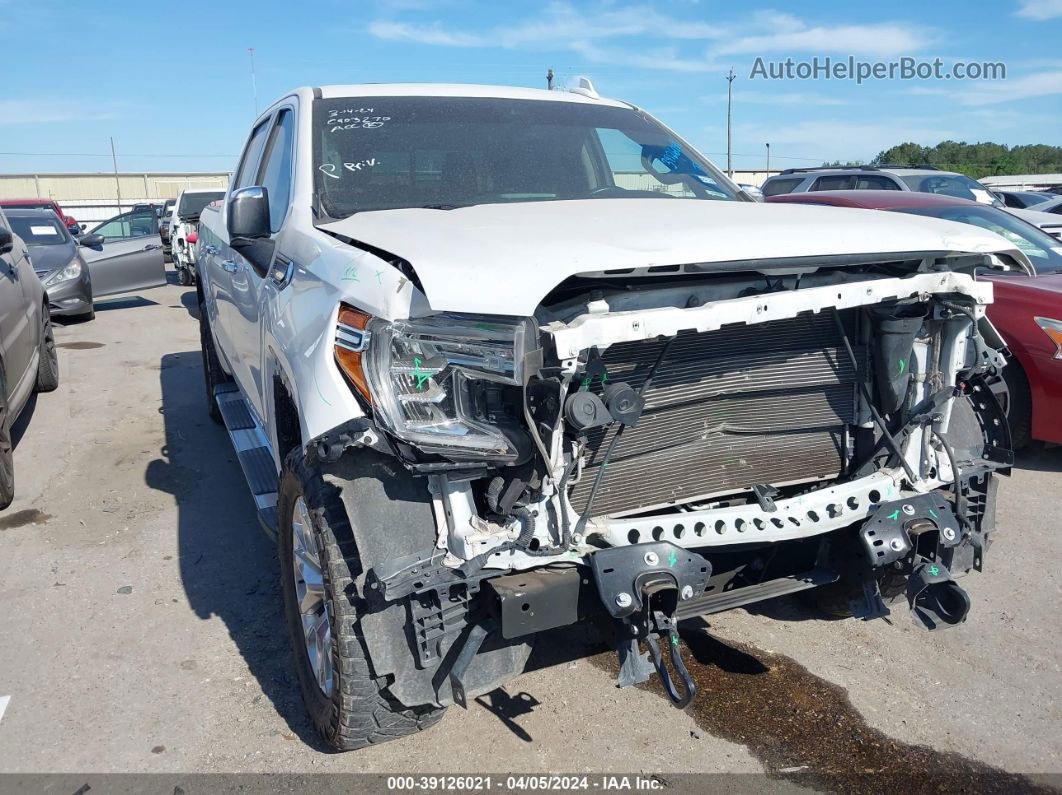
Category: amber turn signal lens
[351,341]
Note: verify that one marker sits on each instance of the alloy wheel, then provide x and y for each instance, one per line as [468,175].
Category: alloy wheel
[310,597]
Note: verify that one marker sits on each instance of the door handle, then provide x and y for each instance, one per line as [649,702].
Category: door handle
[229,266]
[152,246]
[210,249]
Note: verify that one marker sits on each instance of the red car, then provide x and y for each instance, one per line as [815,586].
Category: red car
[43,204]
[1027,309]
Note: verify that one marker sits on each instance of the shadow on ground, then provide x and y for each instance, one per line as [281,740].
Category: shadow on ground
[1040,458]
[228,566]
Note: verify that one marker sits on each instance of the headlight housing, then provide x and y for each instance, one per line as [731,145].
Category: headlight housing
[71,271]
[439,382]
[1053,329]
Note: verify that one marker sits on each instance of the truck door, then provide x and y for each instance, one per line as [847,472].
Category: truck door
[274,174]
[231,279]
[130,257]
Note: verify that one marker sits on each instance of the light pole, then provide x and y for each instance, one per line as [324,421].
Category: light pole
[729,100]
[768,159]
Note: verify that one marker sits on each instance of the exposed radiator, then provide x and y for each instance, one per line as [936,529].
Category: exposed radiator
[726,410]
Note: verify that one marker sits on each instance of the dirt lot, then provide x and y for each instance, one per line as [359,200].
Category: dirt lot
[140,627]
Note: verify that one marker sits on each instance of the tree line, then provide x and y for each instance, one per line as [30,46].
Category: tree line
[974,160]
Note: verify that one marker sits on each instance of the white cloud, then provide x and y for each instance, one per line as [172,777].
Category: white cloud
[1040,84]
[1039,9]
[44,111]
[561,26]
[784,33]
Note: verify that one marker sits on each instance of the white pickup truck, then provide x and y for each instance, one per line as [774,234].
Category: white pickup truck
[497,361]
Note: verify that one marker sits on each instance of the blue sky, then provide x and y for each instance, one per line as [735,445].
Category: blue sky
[171,81]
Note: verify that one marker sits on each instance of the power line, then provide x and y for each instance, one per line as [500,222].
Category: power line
[98,154]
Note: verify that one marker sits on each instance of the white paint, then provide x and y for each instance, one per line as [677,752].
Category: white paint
[4,701]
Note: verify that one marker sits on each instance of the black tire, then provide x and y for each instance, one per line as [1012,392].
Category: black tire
[1019,408]
[7,459]
[213,374]
[357,713]
[48,365]
[184,277]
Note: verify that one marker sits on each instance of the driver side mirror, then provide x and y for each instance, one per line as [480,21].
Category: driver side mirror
[7,241]
[248,215]
[91,241]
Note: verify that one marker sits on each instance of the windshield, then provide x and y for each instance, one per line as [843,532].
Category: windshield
[39,231]
[949,185]
[383,153]
[1044,250]
[192,204]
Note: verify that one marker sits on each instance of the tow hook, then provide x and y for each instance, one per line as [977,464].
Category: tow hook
[641,587]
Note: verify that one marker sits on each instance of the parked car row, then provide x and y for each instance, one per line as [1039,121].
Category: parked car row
[49,269]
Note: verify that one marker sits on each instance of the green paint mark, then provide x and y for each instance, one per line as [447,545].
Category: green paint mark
[379,277]
[604,378]
[932,513]
[350,274]
[420,375]
[674,640]
[933,570]
[586,384]
[895,514]
[903,366]
[672,559]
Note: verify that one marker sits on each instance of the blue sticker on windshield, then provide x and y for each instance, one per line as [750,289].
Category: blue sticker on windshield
[670,156]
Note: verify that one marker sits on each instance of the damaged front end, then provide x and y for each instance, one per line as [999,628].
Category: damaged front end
[656,446]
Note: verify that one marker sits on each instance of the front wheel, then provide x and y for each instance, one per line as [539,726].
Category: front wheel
[48,364]
[7,458]
[318,563]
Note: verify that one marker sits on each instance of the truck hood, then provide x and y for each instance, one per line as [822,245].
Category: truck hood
[504,258]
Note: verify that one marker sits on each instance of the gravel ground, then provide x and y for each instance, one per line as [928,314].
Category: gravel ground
[141,626]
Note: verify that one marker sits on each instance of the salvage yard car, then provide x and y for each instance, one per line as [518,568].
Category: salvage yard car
[184,229]
[496,361]
[28,359]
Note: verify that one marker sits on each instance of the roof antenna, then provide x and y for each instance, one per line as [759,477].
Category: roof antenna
[549,79]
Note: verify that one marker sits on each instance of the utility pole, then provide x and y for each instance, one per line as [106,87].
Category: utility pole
[768,159]
[729,100]
[117,181]
[549,79]
[254,83]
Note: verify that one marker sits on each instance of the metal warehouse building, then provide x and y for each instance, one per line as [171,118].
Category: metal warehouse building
[91,198]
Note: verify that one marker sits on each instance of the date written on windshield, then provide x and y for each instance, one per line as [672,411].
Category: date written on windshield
[355,119]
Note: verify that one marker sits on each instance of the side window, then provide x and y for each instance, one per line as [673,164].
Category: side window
[833,182]
[776,187]
[276,173]
[246,173]
[875,182]
[138,223]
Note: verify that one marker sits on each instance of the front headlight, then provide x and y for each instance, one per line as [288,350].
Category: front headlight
[440,383]
[71,271]
[1053,329]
